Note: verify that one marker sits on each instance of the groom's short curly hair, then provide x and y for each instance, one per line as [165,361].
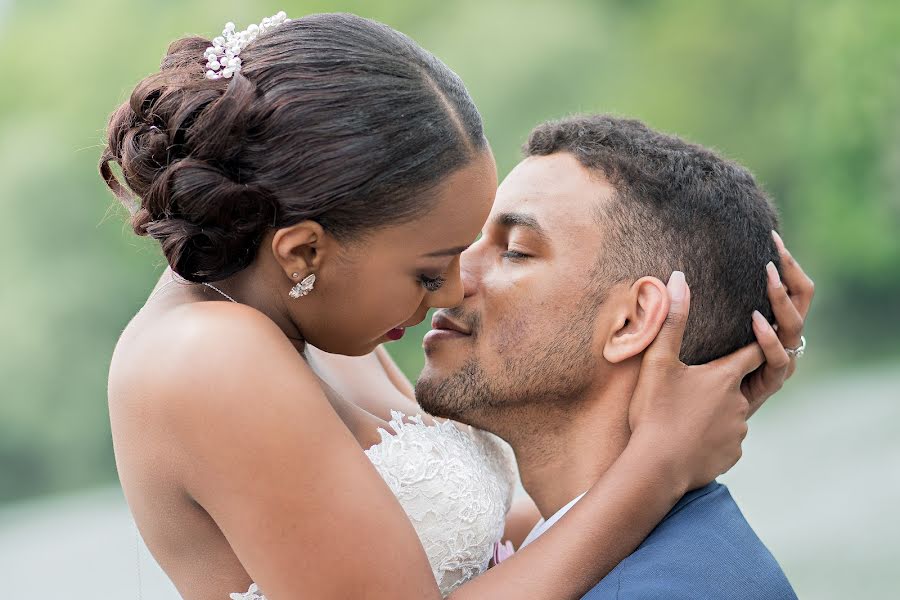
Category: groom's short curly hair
[677,206]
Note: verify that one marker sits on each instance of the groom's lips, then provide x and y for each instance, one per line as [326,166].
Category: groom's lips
[442,322]
[442,328]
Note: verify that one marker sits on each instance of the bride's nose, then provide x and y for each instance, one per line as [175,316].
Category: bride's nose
[470,270]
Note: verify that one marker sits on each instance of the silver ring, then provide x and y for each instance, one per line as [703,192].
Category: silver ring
[799,350]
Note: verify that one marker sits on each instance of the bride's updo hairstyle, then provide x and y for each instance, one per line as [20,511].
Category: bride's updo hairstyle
[332,118]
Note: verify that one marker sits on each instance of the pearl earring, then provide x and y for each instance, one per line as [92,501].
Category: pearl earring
[304,287]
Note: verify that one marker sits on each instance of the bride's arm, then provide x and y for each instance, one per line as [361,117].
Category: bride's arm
[263,453]
[259,448]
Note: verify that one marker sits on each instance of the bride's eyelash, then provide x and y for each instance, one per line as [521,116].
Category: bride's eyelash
[513,255]
[431,284]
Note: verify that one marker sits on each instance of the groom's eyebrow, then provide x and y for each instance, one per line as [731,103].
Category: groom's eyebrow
[516,219]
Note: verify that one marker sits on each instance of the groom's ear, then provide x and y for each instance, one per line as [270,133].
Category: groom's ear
[638,319]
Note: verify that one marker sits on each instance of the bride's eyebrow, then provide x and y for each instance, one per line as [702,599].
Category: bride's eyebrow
[448,251]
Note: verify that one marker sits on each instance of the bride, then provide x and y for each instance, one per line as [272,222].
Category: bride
[312,184]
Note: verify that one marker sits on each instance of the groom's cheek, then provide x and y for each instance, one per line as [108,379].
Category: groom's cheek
[508,334]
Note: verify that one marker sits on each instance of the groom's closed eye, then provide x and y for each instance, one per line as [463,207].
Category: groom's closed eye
[523,236]
[515,255]
[520,244]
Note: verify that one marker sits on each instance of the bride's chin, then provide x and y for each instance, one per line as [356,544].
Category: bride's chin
[360,348]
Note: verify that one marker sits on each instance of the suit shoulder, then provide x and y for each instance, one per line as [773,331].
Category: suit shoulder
[703,549]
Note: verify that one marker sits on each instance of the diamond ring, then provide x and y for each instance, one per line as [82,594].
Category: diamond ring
[799,350]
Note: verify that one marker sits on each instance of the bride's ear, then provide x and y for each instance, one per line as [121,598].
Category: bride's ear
[638,320]
[301,248]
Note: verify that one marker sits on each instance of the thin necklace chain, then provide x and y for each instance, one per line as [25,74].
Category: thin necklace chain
[160,288]
[209,285]
[212,287]
[176,279]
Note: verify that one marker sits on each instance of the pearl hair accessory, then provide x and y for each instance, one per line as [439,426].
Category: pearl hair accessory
[223,57]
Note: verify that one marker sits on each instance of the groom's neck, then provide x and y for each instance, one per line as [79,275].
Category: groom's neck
[562,452]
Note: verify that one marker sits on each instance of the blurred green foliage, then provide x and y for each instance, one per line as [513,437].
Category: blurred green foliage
[807,94]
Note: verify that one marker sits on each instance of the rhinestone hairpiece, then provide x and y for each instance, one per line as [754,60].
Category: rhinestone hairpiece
[223,57]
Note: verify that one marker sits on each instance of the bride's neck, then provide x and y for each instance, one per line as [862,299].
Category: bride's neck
[253,287]
[566,451]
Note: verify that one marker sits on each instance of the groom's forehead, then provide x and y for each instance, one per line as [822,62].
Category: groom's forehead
[557,191]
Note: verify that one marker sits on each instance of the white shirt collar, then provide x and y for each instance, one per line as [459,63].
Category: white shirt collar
[543,525]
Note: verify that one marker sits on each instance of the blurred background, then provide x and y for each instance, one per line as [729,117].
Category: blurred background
[806,94]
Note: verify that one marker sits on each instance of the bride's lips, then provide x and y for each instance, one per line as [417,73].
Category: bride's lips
[442,328]
[397,332]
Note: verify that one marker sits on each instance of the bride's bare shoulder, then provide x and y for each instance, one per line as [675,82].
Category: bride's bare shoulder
[195,338]
[195,322]
[211,363]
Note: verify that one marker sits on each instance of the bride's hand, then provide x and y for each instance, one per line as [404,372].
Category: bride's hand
[790,295]
[697,414]
[692,417]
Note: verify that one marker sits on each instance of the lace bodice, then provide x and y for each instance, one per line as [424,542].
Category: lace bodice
[455,485]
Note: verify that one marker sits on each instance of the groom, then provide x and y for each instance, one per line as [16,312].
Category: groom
[559,293]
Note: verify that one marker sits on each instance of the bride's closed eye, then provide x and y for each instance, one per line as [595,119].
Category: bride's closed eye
[432,284]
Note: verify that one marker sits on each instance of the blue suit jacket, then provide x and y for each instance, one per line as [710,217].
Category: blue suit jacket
[704,548]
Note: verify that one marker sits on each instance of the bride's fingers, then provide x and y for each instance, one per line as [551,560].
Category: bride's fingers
[741,362]
[769,379]
[666,348]
[800,287]
[790,323]
[771,345]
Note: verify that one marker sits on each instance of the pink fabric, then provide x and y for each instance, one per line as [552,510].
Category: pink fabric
[503,551]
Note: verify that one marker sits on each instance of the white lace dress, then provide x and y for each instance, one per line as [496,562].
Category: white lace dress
[455,485]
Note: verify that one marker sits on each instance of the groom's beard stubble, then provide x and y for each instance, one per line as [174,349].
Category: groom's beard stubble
[531,380]
[462,396]
[464,391]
